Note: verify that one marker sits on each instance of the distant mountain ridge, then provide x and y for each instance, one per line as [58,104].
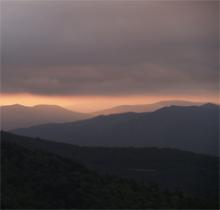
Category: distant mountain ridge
[192,128]
[17,116]
[144,107]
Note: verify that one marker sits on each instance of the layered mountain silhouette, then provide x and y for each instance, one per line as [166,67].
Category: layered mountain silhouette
[17,116]
[144,107]
[192,128]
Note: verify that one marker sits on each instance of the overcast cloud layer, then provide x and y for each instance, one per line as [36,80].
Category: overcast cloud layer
[110,48]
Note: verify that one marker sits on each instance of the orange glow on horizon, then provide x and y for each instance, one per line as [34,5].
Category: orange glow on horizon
[94,103]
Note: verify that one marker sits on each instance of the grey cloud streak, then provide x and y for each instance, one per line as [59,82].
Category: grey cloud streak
[110,48]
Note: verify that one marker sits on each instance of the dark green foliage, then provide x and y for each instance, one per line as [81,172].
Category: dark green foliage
[39,180]
[192,173]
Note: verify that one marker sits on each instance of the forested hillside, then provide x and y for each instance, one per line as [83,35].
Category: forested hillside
[35,177]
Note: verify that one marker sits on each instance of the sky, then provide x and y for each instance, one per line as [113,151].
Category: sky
[90,55]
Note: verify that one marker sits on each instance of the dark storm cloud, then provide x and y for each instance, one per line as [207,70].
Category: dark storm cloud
[100,47]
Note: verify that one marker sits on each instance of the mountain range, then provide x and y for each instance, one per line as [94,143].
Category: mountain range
[144,107]
[17,116]
[191,128]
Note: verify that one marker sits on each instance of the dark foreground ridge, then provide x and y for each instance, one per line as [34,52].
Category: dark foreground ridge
[34,178]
